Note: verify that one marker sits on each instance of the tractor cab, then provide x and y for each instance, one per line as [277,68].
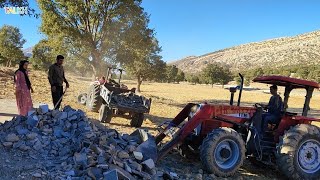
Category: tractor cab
[290,84]
[290,118]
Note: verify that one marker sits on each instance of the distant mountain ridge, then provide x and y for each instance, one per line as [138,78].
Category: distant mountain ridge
[279,52]
[28,51]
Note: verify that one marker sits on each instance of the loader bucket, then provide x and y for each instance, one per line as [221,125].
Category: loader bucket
[147,147]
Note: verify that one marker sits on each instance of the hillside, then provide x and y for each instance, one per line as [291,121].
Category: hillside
[301,49]
[28,51]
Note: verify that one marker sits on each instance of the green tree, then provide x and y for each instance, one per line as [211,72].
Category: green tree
[215,73]
[247,81]
[42,56]
[171,72]
[238,80]
[11,42]
[314,75]
[303,72]
[193,78]
[180,76]
[92,28]
[258,72]
[139,51]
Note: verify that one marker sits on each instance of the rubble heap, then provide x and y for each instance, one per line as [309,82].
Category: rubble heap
[130,100]
[73,147]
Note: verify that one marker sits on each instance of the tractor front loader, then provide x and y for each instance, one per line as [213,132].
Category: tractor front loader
[224,135]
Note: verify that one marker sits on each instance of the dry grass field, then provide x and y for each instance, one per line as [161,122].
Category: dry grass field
[167,101]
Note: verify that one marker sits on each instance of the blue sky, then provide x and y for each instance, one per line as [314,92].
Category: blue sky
[196,27]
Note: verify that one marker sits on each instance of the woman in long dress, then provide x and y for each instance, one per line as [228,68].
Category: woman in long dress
[23,89]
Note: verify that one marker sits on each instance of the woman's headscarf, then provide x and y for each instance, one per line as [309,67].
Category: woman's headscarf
[24,72]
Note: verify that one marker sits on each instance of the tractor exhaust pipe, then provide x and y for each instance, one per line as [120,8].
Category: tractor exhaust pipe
[241,87]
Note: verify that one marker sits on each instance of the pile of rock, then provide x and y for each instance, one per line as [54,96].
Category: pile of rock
[73,147]
[131,100]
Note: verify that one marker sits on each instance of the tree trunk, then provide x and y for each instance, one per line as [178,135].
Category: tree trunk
[96,64]
[139,82]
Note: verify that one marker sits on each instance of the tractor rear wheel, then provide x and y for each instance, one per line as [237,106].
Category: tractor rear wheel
[222,152]
[105,114]
[137,120]
[298,152]
[94,100]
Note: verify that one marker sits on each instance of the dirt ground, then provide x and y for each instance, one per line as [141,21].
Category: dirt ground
[167,102]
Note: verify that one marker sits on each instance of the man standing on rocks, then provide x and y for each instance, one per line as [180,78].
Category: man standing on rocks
[56,78]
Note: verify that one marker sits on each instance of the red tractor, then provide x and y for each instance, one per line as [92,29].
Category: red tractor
[225,135]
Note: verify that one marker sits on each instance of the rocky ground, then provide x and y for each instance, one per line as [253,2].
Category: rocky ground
[67,145]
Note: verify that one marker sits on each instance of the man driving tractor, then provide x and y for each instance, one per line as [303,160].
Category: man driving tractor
[274,107]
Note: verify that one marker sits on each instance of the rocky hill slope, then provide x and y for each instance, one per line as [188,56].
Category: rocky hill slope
[300,49]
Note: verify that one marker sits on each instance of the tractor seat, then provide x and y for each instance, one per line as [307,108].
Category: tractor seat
[274,126]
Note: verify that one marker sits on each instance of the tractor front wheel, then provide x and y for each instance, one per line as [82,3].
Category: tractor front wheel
[298,152]
[222,152]
[105,114]
[82,98]
[137,120]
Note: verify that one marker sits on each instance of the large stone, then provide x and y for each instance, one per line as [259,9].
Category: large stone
[174,175]
[115,174]
[103,166]
[63,116]
[198,177]
[7,144]
[24,147]
[30,113]
[138,155]
[57,131]
[47,130]
[96,149]
[72,118]
[44,108]
[80,158]
[123,155]
[127,168]
[131,148]
[37,146]
[139,136]
[12,137]
[37,175]
[56,114]
[18,144]
[70,173]
[32,136]
[95,173]
[149,164]
[149,149]
[21,130]
[33,121]
[136,166]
